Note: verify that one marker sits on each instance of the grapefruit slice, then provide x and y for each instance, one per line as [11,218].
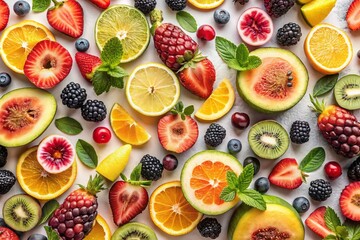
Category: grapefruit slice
[203,178]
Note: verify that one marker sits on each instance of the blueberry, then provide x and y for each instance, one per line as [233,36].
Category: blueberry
[234,146]
[2,223]
[170,162]
[254,161]
[37,236]
[262,185]
[301,204]
[21,8]
[5,79]
[82,45]
[221,16]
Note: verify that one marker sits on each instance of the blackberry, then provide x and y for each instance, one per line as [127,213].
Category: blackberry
[7,180]
[300,132]
[354,170]
[176,5]
[151,168]
[145,6]
[93,110]
[242,2]
[289,34]
[277,8]
[209,228]
[3,155]
[73,95]
[214,135]
[320,190]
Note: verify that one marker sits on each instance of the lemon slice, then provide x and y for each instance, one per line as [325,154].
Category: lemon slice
[152,89]
[206,4]
[129,25]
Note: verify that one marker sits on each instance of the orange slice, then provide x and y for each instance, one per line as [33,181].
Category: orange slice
[19,39]
[126,128]
[36,182]
[206,4]
[170,211]
[218,104]
[100,231]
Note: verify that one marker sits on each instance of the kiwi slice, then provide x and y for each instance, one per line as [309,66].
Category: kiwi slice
[21,212]
[268,139]
[347,92]
[134,231]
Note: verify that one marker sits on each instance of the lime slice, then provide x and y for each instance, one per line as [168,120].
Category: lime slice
[129,25]
[152,89]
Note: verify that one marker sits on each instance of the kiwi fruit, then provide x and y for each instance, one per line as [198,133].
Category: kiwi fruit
[347,92]
[268,139]
[134,230]
[21,212]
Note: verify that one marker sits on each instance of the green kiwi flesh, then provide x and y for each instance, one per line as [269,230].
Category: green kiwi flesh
[21,212]
[268,139]
[347,92]
[134,231]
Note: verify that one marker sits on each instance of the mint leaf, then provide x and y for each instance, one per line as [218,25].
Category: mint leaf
[232,180]
[100,82]
[253,199]
[86,153]
[242,55]
[254,62]
[51,234]
[228,194]
[117,72]
[225,49]
[116,82]
[325,84]
[112,52]
[47,210]
[234,64]
[68,125]
[136,173]
[40,5]
[330,237]
[186,21]
[313,160]
[245,177]
[332,221]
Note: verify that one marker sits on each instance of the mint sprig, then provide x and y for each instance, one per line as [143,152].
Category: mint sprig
[238,186]
[236,57]
[183,112]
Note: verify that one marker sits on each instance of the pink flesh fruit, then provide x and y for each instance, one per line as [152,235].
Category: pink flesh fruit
[255,27]
[55,154]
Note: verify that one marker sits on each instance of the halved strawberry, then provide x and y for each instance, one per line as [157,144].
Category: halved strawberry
[67,17]
[47,64]
[286,174]
[350,201]
[316,222]
[4,13]
[101,3]
[87,64]
[353,15]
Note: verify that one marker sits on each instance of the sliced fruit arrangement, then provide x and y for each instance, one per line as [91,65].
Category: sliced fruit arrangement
[316,222]
[25,114]
[4,13]
[347,92]
[352,14]
[349,199]
[100,231]
[134,230]
[316,11]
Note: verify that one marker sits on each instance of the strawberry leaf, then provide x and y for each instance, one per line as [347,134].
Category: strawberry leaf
[353,229]
[332,221]
[189,110]
[186,21]
[313,160]
[227,194]
[342,232]
[330,237]
[40,5]
[112,52]
[252,198]
[246,177]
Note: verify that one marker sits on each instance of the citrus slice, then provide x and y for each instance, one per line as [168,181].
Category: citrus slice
[17,41]
[206,4]
[36,182]
[129,25]
[170,211]
[218,104]
[126,128]
[316,11]
[100,231]
[328,49]
[152,89]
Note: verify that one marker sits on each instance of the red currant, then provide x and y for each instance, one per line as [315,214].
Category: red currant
[206,32]
[101,135]
[240,120]
[333,170]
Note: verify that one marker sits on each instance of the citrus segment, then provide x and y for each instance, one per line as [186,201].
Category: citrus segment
[152,89]
[100,231]
[170,211]
[36,182]
[206,4]
[18,40]
[316,11]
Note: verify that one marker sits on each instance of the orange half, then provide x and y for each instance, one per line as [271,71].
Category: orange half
[100,231]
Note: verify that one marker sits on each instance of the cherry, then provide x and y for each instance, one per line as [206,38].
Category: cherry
[101,135]
[206,32]
[170,162]
[240,120]
[333,170]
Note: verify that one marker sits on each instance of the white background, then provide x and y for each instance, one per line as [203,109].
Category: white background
[299,112]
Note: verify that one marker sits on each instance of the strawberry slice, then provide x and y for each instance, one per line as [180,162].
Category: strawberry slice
[101,3]
[67,17]
[286,174]
[47,64]
[87,64]
[350,201]
[353,15]
[4,13]
[316,222]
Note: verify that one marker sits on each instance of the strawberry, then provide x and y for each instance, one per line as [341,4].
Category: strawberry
[4,13]
[47,64]
[352,16]
[101,3]
[87,64]
[128,197]
[178,132]
[286,174]
[67,17]
[350,201]
[7,234]
[316,222]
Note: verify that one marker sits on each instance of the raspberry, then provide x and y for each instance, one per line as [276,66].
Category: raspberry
[320,190]
[214,135]
[73,95]
[93,110]
[145,6]
[289,34]
[277,8]
[151,168]
[209,228]
[176,5]
[300,132]
[354,170]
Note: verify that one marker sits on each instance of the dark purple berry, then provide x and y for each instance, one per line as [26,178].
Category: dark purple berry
[170,162]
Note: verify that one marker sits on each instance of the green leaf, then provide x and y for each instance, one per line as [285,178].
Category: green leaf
[226,49]
[112,52]
[51,234]
[189,110]
[86,153]
[100,82]
[116,82]
[254,62]
[186,21]
[117,72]
[342,232]
[332,221]
[330,237]
[47,210]
[246,177]
[232,180]
[228,194]
[68,125]
[40,5]
[136,173]
[253,199]
[234,64]
[242,55]
[353,229]
[325,84]
[313,160]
